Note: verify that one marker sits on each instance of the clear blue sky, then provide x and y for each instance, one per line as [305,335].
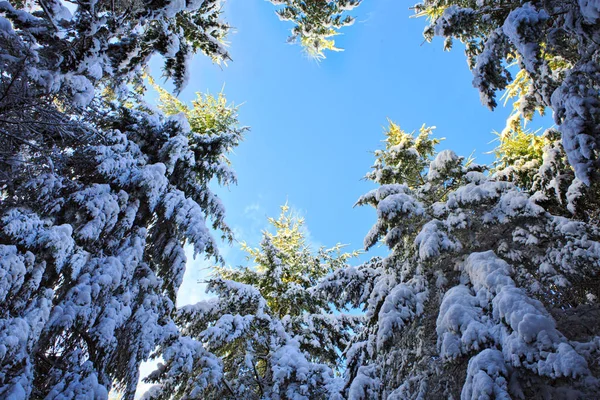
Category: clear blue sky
[314,125]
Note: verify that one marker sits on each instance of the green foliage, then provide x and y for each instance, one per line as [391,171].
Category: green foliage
[520,151]
[405,157]
[268,333]
[316,22]
[537,163]
[284,260]
[208,114]
[284,271]
[214,132]
[106,190]
[413,164]
[419,338]
[189,33]
[519,91]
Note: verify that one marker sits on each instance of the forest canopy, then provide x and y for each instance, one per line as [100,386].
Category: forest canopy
[485,285]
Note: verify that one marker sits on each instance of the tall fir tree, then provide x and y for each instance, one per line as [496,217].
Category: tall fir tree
[267,334]
[485,293]
[99,191]
[93,248]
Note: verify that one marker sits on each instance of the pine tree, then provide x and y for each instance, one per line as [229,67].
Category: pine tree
[554,44]
[285,273]
[94,249]
[485,293]
[99,191]
[92,233]
[267,334]
[538,164]
[315,22]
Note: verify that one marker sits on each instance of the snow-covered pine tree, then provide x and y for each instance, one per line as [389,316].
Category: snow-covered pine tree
[91,246]
[97,198]
[485,293]
[266,334]
[315,22]
[556,47]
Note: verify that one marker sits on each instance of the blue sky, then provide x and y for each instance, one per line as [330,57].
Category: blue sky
[315,124]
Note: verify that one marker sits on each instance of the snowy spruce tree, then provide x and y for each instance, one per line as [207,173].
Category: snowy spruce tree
[266,334]
[555,46]
[99,192]
[315,22]
[92,250]
[489,290]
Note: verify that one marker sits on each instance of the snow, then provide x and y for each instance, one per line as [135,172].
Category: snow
[82,90]
[443,162]
[92,243]
[487,272]
[452,15]
[476,193]
[403,303]
[522,27]
[12,270]
[486,377]
[102,206]
[22,16]
[573,194]
[152,179]
[227,328]
[172,46]
[398,204]
[59,11]
[289,362]
[463,222]
[95,253]
[575,105]
[470,319]
[365,385]
[29,230]
[152,393]
[393,202]
[461,326]
[350,286]
[80,384]
[183,357]
[590,10]
[432,240]
[532,335]
[6,26]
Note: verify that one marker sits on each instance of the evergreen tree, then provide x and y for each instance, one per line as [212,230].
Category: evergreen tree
[91,244]
[485,292]
[316,21]
[267,334]
[99,191]
[555,46]
[56,60]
